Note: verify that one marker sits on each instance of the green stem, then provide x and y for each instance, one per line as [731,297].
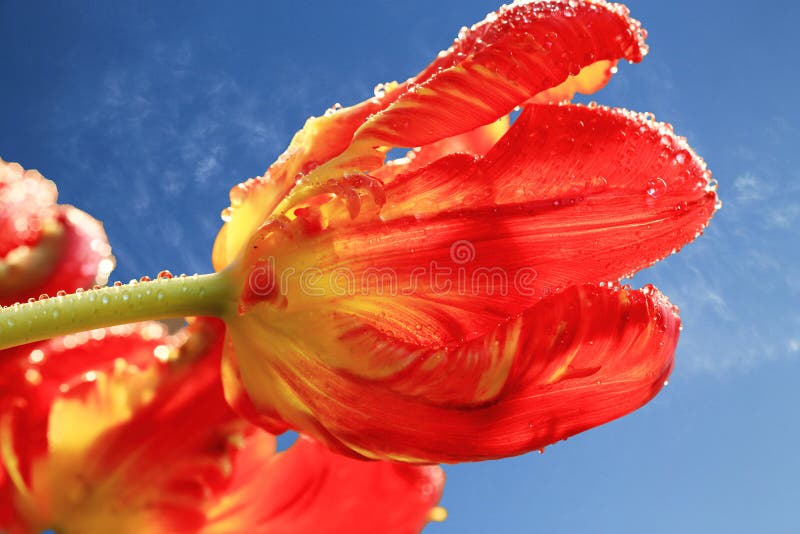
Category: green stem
[163,298]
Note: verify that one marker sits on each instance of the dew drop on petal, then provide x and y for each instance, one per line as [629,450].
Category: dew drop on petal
[656,187]
[237,194]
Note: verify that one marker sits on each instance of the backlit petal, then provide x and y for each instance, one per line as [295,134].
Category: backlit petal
[573,361]
[516,53]
[308,488]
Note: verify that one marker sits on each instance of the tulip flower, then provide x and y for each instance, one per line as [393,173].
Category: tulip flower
[461,303]
[452,305]
[45,247]
[143,441]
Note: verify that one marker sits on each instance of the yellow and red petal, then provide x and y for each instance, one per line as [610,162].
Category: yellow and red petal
[516,53]
[320,139]
[130,447]
[309,488]
[33,376]
[573,361]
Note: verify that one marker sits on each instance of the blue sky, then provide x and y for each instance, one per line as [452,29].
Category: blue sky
[146,115]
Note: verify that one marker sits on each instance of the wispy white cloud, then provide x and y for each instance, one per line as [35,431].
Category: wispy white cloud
[749,188]
[170,131]
[784,216]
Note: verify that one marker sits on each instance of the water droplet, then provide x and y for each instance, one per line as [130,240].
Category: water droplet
[380,90]
[33,377]
[144,279]
[333,109]
[104,299]
[225,215]
[117,284]
[237,194]
[656,187]
[161,352]
[160,295]
[61,293]
[164,275]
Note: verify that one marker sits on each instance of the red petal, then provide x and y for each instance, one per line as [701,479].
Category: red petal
[308,488]
[26,202]
[574,361]
[45,248]
[517,52]
[85,256]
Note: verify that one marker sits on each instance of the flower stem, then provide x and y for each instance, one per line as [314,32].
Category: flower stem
[198,295]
